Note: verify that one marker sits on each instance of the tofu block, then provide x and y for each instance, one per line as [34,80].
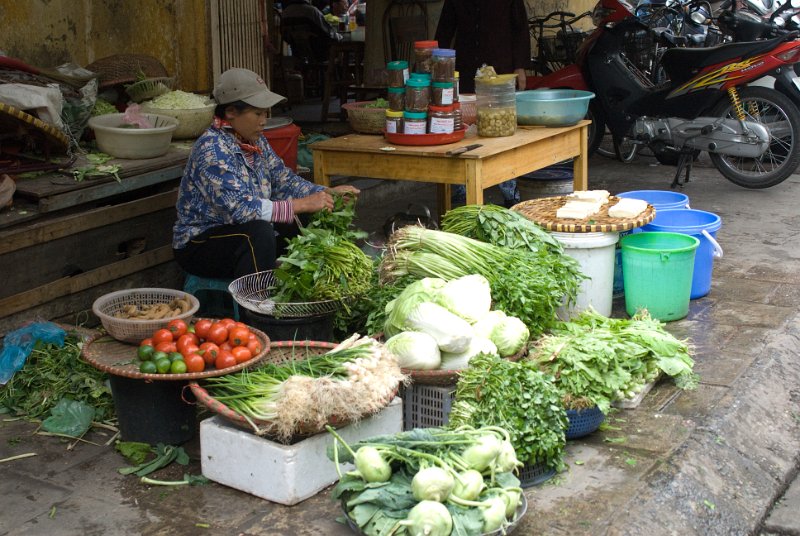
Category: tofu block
[600,196]
[627,208]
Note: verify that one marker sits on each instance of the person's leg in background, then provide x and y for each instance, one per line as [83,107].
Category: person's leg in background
[508,189]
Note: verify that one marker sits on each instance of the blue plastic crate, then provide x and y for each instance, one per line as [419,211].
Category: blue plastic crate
[583,422]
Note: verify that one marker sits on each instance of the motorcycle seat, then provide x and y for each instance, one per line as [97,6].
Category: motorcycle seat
[683,63]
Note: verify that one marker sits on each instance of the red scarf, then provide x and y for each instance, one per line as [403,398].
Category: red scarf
[248,148]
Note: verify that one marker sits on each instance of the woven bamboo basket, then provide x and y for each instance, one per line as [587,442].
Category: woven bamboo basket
[127,68]
[365,120]
[446,376]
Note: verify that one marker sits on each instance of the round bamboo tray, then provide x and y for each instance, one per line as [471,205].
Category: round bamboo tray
[114,357]
[543,212]
[280,351]
[444,377]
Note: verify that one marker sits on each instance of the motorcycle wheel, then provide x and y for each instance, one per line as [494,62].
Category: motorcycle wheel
[597,129]
[771,108]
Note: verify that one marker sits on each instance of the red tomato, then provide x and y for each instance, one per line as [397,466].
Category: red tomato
[201,328]
[238,336]
[224,360]
[167,347]
[187,339]
[162,335]
[241,325]
[190,349]
[146,342]
[227,322]
[226,346]
[241,353]
[217,333]
[178,327]
[252,337]
[210,352]
[254,346]
[194,363]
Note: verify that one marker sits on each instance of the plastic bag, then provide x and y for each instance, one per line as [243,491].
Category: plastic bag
[18,344]
[304,156]
[133,116]
[69,417]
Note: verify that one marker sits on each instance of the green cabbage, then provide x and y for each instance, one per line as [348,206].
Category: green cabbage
[398,310]
[485,326]
[458,361]
[452,334]
[179,100]
[469,297]
[510,335]
[415,350]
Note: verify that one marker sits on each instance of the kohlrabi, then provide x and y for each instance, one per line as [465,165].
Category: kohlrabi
[481,455]
[432,484]
[469,485]
[371,465]
[428,518]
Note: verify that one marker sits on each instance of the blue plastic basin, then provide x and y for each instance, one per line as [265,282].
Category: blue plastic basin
[552,107]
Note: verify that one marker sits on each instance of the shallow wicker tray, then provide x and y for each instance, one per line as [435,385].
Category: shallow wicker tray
[445,377]
[280,351]
[109,355]
[543,212]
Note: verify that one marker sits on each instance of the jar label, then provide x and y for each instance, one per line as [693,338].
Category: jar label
[442,125]
[405,76]
[414,127]
[447,96]
[391,126]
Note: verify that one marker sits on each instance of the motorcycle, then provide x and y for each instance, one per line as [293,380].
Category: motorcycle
[751,133]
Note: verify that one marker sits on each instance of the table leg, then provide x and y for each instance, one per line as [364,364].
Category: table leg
[580,170]
[320,175]
[474,183]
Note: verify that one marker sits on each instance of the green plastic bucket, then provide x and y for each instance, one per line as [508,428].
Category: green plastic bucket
[657,269]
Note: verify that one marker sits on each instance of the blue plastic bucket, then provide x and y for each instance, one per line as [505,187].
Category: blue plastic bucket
[701,225]
[661,200]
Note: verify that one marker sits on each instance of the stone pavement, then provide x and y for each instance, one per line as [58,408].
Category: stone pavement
[716,460]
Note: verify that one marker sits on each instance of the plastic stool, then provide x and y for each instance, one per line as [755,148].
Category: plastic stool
[195,283]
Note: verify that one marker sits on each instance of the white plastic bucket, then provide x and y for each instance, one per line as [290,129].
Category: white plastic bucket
[595,255]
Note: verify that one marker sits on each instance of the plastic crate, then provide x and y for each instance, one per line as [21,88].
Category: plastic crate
[583,422]
[427,406]
[533,474]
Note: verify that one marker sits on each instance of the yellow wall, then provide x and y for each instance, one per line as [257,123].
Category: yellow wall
[47,33]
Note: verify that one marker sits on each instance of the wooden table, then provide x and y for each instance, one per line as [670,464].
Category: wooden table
[497,160]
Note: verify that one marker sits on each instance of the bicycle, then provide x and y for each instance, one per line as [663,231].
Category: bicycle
[557,40]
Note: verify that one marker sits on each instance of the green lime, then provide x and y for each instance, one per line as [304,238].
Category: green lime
[163,365]
[159,355]
[145,352]
[177,367]
[175,356]
[148,367]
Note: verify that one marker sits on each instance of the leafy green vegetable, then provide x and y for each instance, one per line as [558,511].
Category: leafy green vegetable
[134,451]
[50,373]
[518,398]
[380,102]
[188,480]
[164,455]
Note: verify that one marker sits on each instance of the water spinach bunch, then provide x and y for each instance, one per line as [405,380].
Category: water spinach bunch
[356,378]
[517,397]
[596,360]
[524,284]
[429,481]
[323,262]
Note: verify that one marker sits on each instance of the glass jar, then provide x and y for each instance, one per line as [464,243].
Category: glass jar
[423,51]
[443,64]
[442,93]
[397,73]
[441,120]
[394,121]
[458,123]
[469,109]
[418,95]
[396,98]
[497,106]
[415,122]
[455,87]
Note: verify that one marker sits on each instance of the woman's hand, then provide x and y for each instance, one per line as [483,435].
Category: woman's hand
[345,189]
[522,79]
[313,203]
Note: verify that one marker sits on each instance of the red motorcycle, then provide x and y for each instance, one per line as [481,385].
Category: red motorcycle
[703,103]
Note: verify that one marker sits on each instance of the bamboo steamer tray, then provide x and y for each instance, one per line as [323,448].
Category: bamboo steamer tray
[279,352]
[543,212]
[118,358]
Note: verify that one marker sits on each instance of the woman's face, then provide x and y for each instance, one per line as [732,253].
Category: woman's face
[248,123]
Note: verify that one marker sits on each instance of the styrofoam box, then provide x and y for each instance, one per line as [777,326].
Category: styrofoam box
[285,474]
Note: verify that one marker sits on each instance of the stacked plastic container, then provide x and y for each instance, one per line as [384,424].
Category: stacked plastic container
[497,105]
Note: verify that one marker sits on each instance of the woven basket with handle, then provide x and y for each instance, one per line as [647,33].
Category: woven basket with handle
[127,68]
[365,120]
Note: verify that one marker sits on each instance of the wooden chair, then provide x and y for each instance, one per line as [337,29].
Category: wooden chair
[404,21]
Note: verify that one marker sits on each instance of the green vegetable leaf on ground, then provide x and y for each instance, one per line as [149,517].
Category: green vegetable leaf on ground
[135,452]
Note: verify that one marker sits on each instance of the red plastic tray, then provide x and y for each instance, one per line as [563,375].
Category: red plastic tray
[424,139]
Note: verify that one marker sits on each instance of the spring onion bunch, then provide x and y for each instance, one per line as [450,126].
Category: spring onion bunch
[354,379]
[528,285]
[597,360]
[429,481]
